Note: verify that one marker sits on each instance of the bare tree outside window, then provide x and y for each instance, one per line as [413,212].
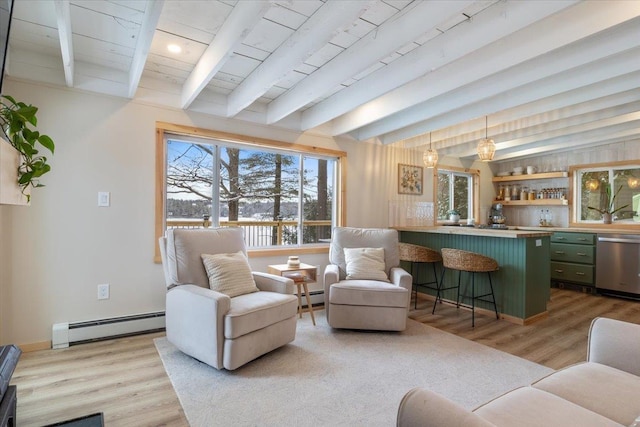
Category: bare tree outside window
[254,187]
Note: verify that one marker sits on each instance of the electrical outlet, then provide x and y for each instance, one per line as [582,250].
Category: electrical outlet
[104,198]
[103,291]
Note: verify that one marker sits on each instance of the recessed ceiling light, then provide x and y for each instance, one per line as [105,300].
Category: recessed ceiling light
[174,48]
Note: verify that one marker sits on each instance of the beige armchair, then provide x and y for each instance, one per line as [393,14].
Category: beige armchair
[210,326]
[365,296]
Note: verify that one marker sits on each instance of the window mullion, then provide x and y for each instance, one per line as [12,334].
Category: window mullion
[215,188]
[300,239]
[452,201]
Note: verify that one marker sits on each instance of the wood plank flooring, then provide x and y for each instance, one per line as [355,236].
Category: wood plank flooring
[125,379]
[556,341]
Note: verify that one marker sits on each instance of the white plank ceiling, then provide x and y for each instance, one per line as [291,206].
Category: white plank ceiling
[547,76]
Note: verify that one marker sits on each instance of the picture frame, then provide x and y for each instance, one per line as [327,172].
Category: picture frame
[410,179]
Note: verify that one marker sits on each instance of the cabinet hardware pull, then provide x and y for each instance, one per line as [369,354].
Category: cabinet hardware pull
[559,271]
[560,238]
[582,239]
[560,252]
[581,254]
[579,273]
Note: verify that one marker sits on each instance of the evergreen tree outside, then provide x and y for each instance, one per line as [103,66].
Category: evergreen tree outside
[254,185]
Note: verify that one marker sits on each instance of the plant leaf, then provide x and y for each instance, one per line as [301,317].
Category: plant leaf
[25,178]
[47,142]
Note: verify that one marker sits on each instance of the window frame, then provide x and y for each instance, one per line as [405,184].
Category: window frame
[474,188]
[575,172]
[189,132]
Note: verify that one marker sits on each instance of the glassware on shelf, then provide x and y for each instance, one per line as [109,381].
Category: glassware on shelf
[515,192]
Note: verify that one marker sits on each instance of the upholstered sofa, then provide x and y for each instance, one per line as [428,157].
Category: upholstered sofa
[603,391]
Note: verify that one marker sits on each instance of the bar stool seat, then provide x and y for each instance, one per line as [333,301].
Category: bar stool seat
[456,259]
[416,254]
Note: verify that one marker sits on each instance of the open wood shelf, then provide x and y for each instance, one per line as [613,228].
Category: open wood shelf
[525,177]
[536,202]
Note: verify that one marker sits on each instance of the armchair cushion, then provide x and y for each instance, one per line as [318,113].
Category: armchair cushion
[368,293]
[255,311]
[229,274]
[365,264]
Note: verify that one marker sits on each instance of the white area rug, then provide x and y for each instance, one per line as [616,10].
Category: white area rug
[332,377]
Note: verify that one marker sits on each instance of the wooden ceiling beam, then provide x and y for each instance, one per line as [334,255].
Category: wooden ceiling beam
[455,43]
[331,19]
[622,121]
[63,17]
[412,22]
[566,27]
[244,16]
[602,136]
[621,89]
[143,45]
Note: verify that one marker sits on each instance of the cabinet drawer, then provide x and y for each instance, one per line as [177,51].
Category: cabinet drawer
[572,272]
[575,238]
[573,253]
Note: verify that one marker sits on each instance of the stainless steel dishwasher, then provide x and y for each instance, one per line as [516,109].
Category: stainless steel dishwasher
[618,265]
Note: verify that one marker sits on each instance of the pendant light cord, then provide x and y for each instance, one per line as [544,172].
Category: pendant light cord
[486,125]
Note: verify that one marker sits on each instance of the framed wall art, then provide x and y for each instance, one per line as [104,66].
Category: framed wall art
[409,179]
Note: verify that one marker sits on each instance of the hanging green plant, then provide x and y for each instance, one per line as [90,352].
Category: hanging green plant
[16,120]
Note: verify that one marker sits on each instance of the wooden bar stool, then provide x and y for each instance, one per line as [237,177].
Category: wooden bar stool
[416,254]
[456,259]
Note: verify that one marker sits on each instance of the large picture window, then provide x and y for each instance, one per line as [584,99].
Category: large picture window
[281,197]
[595,187]
[456,190]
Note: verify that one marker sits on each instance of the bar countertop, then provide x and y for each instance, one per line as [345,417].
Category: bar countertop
[511,233]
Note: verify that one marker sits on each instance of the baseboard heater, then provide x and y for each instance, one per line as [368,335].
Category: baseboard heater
[317,298]
[66,334]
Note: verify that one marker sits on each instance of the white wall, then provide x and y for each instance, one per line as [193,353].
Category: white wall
[54,253]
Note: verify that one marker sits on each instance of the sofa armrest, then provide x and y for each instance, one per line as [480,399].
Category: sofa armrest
[195,322]
[615,343]
[400,277]
[331,276]
[424,408]
[272,283]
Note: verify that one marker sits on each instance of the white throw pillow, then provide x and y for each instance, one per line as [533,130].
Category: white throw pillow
[365,264]
[229,274]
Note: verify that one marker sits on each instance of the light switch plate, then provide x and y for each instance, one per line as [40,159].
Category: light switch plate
[104,198]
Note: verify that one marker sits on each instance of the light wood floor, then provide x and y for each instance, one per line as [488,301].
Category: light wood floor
[556,341]
[126,381]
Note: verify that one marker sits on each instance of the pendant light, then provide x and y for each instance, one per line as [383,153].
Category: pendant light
[486,146]
[430,156]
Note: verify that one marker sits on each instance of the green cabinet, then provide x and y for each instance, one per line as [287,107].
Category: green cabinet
[573,258]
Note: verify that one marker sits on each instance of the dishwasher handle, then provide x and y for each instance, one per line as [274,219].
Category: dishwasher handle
[618,240]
